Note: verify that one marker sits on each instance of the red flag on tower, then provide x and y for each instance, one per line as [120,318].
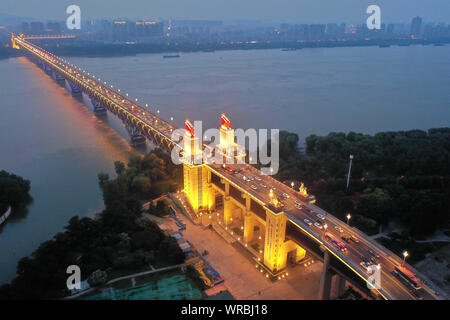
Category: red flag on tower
[226,123]
[189,127]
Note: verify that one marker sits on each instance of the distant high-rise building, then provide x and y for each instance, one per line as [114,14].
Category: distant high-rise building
[390,29]
[120,30]
[317,31]
[416,25]
[25,28]
[37,28]
[54,27]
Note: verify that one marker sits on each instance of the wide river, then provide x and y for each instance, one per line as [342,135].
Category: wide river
[55,141]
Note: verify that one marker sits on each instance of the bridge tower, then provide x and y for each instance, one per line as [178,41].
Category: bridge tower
[195,174]
[227,146]
[14,45]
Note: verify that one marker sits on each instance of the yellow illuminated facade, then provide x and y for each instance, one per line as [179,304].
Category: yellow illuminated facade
[273,250]
[195,174]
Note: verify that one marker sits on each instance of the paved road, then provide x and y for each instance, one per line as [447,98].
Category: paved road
[391,287]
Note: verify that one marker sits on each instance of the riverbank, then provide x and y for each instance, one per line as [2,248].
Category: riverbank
[101,49]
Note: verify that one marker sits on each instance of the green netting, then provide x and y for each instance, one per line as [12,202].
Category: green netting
[177,287]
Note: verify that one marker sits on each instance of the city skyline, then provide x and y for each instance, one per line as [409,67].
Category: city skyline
[306,11]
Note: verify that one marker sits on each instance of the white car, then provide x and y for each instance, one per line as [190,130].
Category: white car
[254,187]
[262,185]
[298,206]
[339,229]
[257,178]
[285,195]
[320,216]
[309,223]
[366,266]
[318,225]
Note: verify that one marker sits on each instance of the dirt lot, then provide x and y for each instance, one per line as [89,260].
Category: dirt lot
[437,268]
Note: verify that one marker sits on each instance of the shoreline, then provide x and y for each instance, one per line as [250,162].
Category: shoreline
[99,49]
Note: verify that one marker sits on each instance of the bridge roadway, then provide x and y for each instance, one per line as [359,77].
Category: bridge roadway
[143,119]
[391,287]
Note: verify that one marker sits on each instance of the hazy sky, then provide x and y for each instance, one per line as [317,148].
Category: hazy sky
[274,10]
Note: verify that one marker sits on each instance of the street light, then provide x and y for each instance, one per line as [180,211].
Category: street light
[292,184]
[349,170]
[348,217]
[405,254]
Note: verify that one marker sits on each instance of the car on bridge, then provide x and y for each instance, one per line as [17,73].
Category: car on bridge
[339,229]
[320,216]
[308,222]
[346,239]
[375,258]
[335,242]
[318,225]
[366,263]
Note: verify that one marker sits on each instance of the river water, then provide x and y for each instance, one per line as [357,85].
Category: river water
[55,141]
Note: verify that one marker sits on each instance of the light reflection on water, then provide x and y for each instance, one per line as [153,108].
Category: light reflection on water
[55,141]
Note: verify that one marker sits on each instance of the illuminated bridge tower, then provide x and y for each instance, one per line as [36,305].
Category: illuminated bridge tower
[13,42]
[195,174]
[227,146]
[263,225]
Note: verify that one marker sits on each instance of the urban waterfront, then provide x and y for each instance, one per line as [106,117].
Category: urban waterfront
[59,145]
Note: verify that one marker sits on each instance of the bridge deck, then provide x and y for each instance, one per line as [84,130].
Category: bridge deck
[133,110]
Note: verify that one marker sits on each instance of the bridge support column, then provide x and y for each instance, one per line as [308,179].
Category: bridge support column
[249,222]
[274,239]
[325,280]
[339,285]
[196,186]
[227,206]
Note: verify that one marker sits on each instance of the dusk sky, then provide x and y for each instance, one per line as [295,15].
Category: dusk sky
[269,10]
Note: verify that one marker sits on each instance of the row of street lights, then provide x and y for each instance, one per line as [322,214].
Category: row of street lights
[98,79]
